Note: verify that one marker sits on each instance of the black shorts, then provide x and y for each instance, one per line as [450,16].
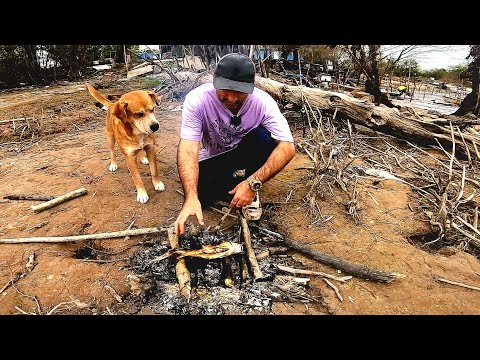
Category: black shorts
[216,175]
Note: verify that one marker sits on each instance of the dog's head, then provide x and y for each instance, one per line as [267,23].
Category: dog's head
[136,110]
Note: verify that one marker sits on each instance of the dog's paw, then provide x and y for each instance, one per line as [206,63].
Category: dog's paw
[142,198]
[113,167]
[160,186]
[144,161]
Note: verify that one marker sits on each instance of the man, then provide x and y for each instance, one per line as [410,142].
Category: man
[233,139]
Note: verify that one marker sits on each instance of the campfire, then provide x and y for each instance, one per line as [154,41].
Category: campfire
[216,271]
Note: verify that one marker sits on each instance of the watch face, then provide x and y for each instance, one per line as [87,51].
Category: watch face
[256,185]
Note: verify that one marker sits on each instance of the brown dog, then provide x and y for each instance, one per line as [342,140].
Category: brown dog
[131,123]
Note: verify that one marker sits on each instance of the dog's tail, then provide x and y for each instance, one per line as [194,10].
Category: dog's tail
[98,96]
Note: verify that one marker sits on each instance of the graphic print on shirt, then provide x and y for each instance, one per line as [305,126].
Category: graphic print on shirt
[227,134]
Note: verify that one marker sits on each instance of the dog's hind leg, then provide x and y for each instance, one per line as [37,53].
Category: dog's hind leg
[152,161]
[111,146]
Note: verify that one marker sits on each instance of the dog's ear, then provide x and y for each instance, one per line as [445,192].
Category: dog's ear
[120,110]
[154,97]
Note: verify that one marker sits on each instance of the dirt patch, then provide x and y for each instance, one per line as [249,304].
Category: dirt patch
[61,147]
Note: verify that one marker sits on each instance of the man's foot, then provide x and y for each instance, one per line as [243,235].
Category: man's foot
[254,210]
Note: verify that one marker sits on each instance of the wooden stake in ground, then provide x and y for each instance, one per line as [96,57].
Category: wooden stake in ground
[183,275]
[257,273]
[59,200]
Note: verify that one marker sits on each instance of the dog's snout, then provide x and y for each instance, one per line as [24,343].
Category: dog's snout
[154,127]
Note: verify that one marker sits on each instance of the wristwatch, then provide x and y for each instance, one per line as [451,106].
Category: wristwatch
[254,183]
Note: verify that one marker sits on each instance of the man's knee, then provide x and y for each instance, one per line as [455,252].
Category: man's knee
[259,139]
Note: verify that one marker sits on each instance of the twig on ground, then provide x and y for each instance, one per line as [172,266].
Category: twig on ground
[334,288]
[457,283]
[114,293]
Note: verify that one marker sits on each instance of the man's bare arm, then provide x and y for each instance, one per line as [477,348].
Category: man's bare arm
[278,159]
[187,162]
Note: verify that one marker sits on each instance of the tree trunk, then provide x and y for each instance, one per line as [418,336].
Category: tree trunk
[378,118]
[471,103]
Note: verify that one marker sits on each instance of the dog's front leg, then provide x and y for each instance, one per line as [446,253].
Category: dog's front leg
[143,158]
[152,161]
[111,146]
[132,164]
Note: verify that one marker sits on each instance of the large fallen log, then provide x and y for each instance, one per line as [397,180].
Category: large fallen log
[379,118]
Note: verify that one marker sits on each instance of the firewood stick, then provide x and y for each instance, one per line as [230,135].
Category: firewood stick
[271,251]
[59,200]
[83,237]
[257,273]
[244,268]
[183,275]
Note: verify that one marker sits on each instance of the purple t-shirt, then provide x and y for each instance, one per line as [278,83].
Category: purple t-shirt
[206,119]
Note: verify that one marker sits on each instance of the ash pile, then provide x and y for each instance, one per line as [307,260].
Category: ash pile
[234,271]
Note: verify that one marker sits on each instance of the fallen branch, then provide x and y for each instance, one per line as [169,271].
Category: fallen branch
[38,197]
[183,275]
[360,271]
[83,237]
[294,271]
[59,200]
[257,273]
[347,267]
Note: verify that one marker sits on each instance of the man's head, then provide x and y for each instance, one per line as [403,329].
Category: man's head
[235,72]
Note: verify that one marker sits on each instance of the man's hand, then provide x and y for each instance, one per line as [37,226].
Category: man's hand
[243,195]
[190,207]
